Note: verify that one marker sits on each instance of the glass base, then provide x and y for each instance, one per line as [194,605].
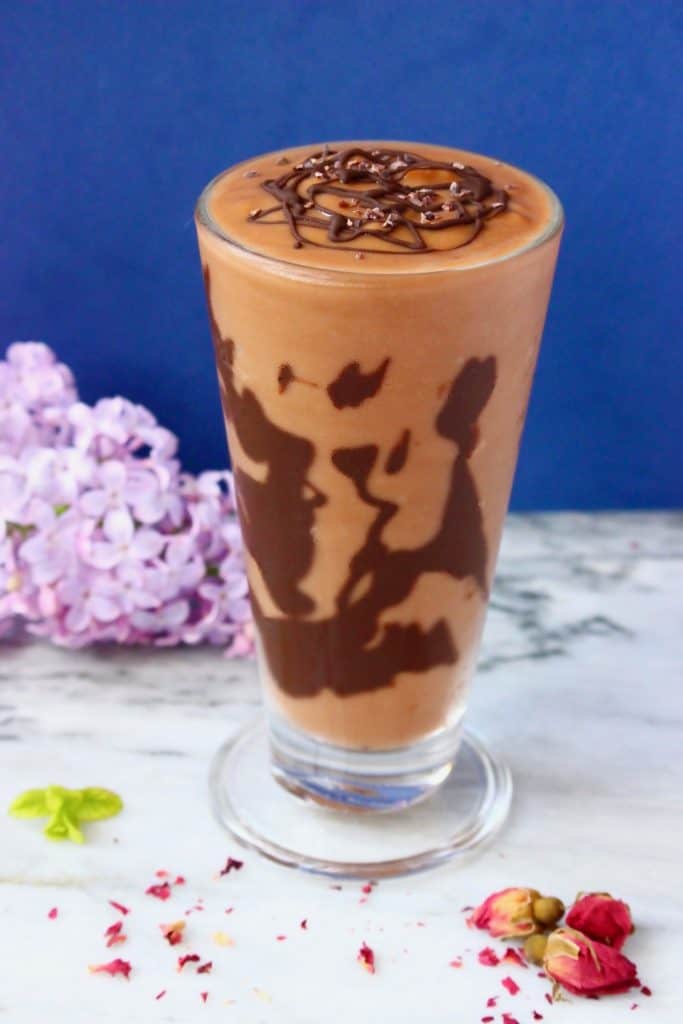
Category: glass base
[292,826]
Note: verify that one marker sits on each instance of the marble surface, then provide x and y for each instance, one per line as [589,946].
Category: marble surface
[579,688]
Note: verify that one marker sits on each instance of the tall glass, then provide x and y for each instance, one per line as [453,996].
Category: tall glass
[374,402]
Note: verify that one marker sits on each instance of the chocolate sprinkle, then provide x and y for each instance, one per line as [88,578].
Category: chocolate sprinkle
[285,377]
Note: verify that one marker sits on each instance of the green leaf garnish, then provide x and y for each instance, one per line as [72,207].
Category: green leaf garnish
[61,826]
[66,808]
[99,803]
[31,804]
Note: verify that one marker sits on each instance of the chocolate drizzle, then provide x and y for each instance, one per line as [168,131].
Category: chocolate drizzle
[353,387]
[387,196]
[396,459]
[281,543]
[356,649]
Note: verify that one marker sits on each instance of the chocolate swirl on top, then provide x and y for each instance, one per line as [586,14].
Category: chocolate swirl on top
[388,195]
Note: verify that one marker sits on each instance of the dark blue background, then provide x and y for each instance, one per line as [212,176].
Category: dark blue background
[114,115]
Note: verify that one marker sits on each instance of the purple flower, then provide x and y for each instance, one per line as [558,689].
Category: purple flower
[35,390]
[14,490]
[50,548]
[89,600]
[122,542]
[183,566]
[166,620]
[136,585]
[102,538]
[226,604]
[58,474]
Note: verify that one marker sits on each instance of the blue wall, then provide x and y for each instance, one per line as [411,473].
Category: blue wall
[114,115]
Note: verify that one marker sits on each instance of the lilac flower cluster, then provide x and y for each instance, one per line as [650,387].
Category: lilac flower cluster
[102,537]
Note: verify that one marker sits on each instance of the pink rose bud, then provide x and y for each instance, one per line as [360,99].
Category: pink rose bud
[507,914]
[601,917]
[585,967]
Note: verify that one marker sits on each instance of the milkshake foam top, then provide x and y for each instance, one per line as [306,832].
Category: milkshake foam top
[379,207]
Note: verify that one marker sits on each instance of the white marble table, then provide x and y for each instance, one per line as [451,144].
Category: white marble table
[580,688]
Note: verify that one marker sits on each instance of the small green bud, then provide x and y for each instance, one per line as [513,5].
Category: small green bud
[534,948]
[547,910]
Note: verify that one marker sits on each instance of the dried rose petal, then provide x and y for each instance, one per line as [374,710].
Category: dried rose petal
[179,880]
[645,990]
[487,1020]
[513,956]
[366,958]
[455,963]
[162,892]
[487,957]
[113,968]
[280,938]
[507,914]
[601,917]
[204,996]
[586,967]
[231,864]
[162,873]
[173,933]
[304,924]
[537,1016]
[114,935]
[119,906]
[205,968]
[509,1019]
[52,914]
[511,985]
[160,995]
[188,958]
[491,1001]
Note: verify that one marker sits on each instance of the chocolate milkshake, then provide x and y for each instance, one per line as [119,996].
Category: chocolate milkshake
[376,311]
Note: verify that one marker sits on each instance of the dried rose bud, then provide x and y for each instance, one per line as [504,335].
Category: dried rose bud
[534,948]
[548,910]
[601,917]
[507,913]
[585,967]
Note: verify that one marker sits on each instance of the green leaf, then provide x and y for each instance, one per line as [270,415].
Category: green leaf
[61,826]
[56,797]
[23,529]
[66,808]
[31,804]
[98,803]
